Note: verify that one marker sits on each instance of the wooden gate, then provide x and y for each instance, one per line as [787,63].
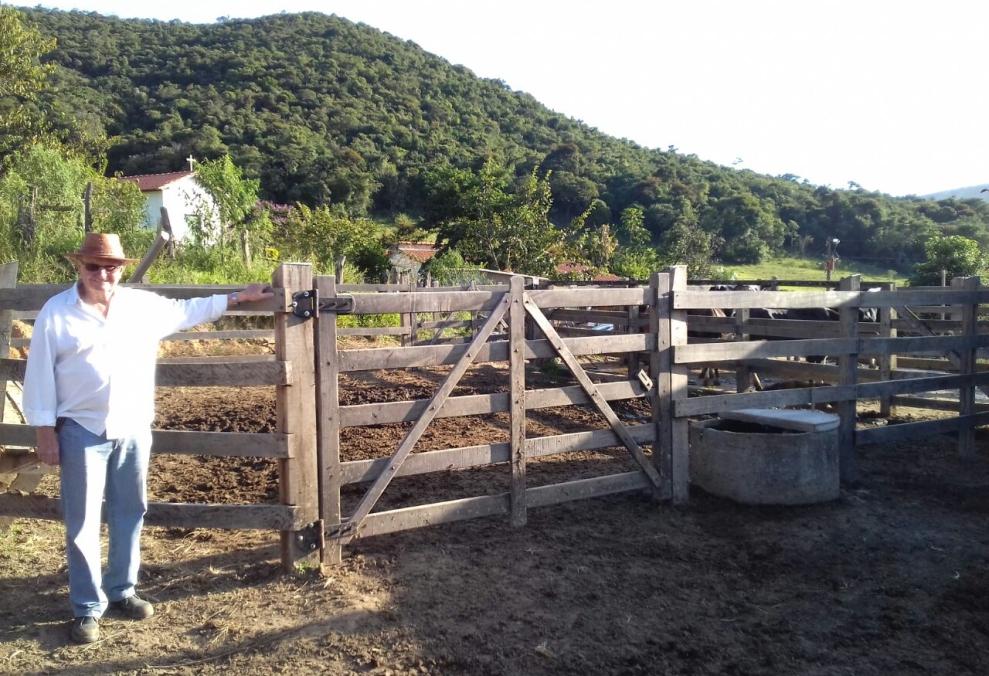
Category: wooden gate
[513,305]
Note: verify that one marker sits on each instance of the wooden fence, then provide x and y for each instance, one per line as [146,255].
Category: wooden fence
[512,324]
[290,371]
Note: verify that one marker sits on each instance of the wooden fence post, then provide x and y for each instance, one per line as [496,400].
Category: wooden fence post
[660,363]
[887,360]
[296,410]
[679,431]
[516,393]
[966,393]
[8,280]
[632,360]
[328,422]
[743,374]
[413,317]
[847,374]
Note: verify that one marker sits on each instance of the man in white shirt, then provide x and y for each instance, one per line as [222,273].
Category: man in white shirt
[89,390]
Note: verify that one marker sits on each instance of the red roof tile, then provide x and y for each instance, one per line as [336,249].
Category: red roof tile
[419,251]
[148,182]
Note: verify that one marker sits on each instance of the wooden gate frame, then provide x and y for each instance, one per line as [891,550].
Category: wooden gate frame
[516,305]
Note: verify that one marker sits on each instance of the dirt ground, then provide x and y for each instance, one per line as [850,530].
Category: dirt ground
[889,579]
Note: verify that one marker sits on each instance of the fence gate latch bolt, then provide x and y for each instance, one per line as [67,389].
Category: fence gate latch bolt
[310,538]
[305,304]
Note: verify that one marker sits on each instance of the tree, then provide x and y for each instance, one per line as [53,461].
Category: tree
[686,243]
[323,234]
[235,198]
[491,225]
[22,77]
[41,210]
[958,256]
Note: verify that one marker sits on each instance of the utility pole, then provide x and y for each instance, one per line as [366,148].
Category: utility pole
[831,255]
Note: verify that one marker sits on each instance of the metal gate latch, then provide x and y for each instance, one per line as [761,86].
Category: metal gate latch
[310,538]
[305,304]
[308,305]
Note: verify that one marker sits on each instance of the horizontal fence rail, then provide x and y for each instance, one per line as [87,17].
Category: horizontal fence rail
[698,300]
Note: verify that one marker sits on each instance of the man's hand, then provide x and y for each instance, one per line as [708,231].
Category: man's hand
[251,293]
[47,445]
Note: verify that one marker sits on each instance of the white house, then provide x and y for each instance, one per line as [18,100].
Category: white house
[179,192]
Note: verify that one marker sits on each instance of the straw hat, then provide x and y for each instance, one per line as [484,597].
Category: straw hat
[102,247]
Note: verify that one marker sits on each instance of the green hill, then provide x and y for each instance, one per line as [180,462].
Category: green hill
[325,110]
[971,192]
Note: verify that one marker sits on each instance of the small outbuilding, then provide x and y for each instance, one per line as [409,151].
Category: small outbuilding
[407,258]
[180,193]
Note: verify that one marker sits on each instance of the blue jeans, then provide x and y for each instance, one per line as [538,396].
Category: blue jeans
[94,467]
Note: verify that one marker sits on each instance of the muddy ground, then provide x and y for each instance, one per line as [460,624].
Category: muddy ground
[890,579]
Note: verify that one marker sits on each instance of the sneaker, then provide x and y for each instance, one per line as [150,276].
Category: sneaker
[85,630]
[134,607]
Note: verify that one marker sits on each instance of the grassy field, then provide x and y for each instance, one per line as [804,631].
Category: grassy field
[805,268]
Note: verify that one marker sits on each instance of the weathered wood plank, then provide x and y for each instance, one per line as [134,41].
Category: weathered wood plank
[887,362]
[178,515]
[446,324]
[374,331]
[8,279]
[328,422]
[420,516]
[679,431]
[775,328]
[393,521]
[834,299]
[754,349]
[295,408]
[218,372]
[517,394]
[569,298]
[583,489]
[30,297]
[966,366]
[239,334]
[209,372]
[919,430]
[417,301]
[438,355]
[660,371]
[935,404]
[481,404]
[226,444]
[615,317]
[807,396]
[14,463]
[847,365]
[358,471]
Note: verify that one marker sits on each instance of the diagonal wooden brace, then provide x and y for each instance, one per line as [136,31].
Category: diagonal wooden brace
[349,529]
[920,326]
[595,396]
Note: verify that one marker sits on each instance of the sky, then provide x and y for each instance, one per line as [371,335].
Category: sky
[890,95]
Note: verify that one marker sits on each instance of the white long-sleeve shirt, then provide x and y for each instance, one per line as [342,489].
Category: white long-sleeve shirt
[101,371]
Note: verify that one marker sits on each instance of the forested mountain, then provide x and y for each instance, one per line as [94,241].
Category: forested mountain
[323,110]
[971,192]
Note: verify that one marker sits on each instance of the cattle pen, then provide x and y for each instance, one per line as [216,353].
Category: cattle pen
[925,340]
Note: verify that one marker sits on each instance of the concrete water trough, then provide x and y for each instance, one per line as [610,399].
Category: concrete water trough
[767,456]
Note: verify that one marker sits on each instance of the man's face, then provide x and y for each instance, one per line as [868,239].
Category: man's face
[99,277]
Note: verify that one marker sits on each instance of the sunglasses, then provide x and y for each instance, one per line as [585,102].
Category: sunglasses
[96,267]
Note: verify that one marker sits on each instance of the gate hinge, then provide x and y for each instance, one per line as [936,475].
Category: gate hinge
[341,305]
[310,538]
[341,530]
